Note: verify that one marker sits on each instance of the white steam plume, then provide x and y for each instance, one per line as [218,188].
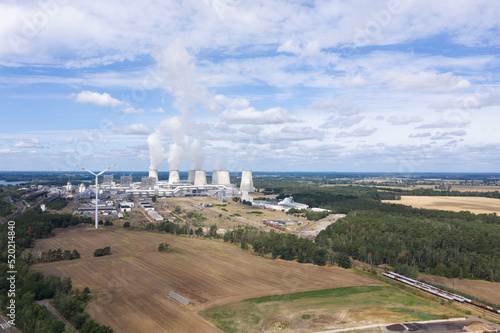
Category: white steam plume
[156,152]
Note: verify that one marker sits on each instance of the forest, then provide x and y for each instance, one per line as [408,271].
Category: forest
[32,285]
[455,245]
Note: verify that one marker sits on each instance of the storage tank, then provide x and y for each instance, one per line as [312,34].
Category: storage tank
[246,181]
[173,177]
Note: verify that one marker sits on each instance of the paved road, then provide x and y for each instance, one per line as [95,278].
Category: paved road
[6,327]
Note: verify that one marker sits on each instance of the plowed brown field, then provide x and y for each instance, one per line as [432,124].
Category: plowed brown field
[137,278]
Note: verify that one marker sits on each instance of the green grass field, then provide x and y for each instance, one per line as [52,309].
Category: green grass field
[325,309]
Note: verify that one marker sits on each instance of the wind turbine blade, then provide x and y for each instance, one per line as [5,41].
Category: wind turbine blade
[103,171]
[86,170]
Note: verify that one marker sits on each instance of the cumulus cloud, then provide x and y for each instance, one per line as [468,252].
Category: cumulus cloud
[420,135]
[427,81]
[403,120]
[294,134]
[158,110]
[134,129]
[132,110]
[103,99]
[229,103]
[28,143]
[448,135]
[342,122]
[338,106]
[249,115]
[471,101]
[358,132]
[443,123]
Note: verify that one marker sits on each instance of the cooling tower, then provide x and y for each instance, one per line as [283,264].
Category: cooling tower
[246,181]
[153,174]
[173,177]
[224,177]
[200,178]
[215,177]
[191,176]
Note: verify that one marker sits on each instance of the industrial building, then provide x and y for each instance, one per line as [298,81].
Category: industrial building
[195,185]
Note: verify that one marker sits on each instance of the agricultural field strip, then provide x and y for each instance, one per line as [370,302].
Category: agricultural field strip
[478,205]
[206,272]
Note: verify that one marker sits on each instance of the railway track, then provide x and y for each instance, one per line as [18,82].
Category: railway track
[484,313]
[469,303]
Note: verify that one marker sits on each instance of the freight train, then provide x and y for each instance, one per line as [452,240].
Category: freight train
[437,291]
[274,225]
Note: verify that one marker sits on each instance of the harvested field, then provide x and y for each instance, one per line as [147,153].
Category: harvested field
[137,278]
[475,205]
[488,291]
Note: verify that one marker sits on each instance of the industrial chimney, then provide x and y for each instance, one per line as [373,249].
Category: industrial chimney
[246,181]
[153,174]
[224,178]
[173,177]
[200,178]
[191,176]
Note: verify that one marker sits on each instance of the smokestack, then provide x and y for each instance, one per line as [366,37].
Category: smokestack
[215,177]
[200,178]
[173,177]
[246,182]
[224,177]
[191,176]
[153,174]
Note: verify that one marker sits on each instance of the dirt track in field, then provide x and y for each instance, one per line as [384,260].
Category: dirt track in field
[137,278]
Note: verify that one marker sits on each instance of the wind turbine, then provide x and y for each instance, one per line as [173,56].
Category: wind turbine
[96,188]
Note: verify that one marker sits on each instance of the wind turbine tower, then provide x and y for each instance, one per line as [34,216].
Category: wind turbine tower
[96,189]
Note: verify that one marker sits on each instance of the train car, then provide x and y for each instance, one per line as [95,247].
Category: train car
[437,291]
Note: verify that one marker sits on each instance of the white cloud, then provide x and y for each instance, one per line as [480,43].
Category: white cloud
[292,134]
[420,135]
[4,151]
[443,123]
[486,96]
[404,120]
[158,110]
[249,115]
[104,99]
[28,143]
[448,135]
[342,122]
[134,129]
[344,108]
[227,102]
[358,132]
[132,110]
[427,81]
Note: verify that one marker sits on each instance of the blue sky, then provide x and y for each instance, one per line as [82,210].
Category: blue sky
[396,86]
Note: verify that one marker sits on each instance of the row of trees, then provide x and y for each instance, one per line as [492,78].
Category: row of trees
[56,255]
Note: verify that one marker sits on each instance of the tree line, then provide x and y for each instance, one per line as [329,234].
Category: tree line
[455,245]
[32,285]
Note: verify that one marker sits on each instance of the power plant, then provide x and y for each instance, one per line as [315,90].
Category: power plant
[195,185]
